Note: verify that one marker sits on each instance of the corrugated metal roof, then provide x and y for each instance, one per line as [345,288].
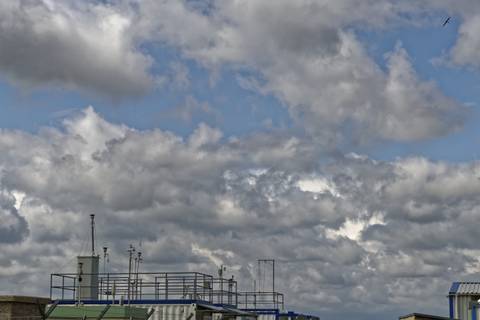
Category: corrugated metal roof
[465,288]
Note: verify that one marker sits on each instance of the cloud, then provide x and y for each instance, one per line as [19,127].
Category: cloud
[86,46]
[466,14]
[190,108]
[465,50]
[304,53]
[339,229]
[307,55]
[13,227]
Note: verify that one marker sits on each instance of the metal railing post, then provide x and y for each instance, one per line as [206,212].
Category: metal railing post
[51,284]
[108,285]
[63,289]
[184,292]
[195,287]
[74,288]
[166,286]
[204,285]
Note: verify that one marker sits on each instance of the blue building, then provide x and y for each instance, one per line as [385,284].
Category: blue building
[463,300]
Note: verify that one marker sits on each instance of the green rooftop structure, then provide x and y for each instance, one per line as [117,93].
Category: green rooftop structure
[105,312]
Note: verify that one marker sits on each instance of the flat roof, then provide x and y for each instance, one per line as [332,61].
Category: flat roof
[117,312]
[24,299]
[423,315]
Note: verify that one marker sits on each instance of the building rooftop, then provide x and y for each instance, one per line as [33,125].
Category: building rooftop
[465,288]
[171,287]
[93,312]
[24,299]
[423,316]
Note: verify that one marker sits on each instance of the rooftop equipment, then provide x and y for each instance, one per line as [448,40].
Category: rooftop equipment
[87,271]
[172,295]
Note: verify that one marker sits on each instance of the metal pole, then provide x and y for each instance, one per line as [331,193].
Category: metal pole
[50,310]
[263,262]
[259,275]
[130,252]
[134,289]
[108,286]
[104,311]
[105,259]
[80,273]
[166,286]
[195,287]
[149,314]
[92,217]
[51,284]
[273,274]
[138,260]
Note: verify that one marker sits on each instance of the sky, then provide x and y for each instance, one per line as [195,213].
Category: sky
[340,138]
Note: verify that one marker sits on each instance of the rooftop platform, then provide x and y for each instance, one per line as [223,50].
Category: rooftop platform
[161,288]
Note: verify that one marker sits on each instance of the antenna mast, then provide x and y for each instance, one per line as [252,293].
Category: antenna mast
[264,262]
[105,258]
[130,251]
[92,218]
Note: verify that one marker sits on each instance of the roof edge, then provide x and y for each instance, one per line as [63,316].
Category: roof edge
[24,299]
[424,315]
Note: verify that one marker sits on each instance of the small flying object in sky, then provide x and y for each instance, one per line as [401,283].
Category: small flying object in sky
[446,21]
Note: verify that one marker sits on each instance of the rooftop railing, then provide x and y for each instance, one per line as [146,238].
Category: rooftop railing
[161,286]
[144,286]
[261,300]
